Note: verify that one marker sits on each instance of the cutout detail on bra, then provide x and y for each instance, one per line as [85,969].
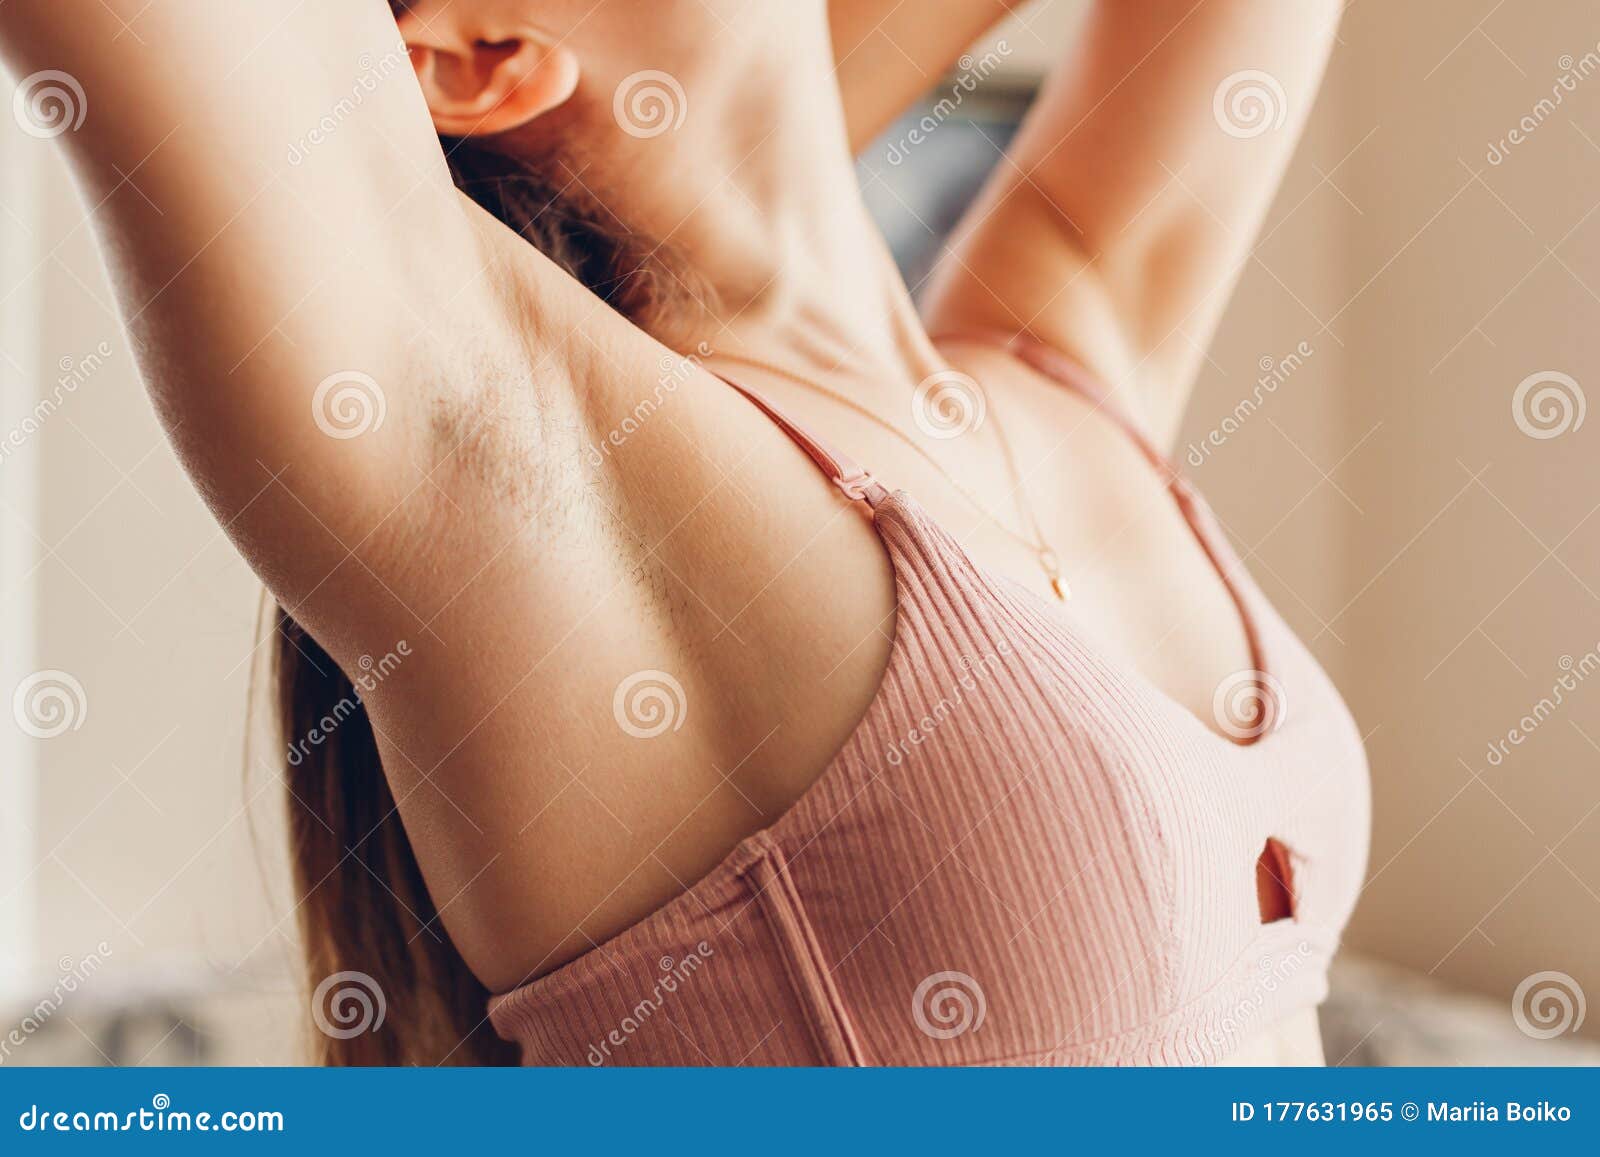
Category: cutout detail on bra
[1275,882]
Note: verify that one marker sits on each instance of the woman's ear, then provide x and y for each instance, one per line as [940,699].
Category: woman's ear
[480,81]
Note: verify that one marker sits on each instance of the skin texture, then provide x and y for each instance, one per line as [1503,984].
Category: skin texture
[529,575]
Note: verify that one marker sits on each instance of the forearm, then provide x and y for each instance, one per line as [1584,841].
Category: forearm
[890,52]
[1184,112]
[1134,191]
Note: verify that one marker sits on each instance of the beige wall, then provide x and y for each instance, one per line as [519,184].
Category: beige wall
[141,833]
[1475,573]
[19,323]
[1440,561]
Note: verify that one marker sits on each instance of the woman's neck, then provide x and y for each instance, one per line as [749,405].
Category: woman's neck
[780,232]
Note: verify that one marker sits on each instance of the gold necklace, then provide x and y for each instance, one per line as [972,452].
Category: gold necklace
[1048,560]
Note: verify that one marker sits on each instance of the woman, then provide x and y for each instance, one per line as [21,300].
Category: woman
[692,742]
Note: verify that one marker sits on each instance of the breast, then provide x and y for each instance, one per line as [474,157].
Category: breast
[1021,856]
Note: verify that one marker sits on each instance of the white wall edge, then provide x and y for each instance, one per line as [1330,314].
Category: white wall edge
[21,250]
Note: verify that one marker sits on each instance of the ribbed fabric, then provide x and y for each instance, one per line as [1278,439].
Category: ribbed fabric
[1024,854]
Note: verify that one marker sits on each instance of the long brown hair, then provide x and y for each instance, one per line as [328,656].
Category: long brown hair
[370,930]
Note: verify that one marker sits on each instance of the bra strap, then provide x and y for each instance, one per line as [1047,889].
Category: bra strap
[854,482]
[1058,367]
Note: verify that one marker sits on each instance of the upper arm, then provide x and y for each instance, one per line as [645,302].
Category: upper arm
[289,255]
[274,210]
[1131,198]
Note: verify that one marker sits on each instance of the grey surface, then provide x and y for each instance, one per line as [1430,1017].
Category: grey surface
[1381,1015]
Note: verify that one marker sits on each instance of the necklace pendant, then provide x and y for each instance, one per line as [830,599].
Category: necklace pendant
[1052,571]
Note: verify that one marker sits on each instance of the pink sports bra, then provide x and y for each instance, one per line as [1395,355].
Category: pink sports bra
[1025,854]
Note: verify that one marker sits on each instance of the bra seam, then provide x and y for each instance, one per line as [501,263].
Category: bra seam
[827,1021]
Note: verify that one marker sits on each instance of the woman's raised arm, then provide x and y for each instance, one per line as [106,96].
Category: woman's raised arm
[276,213]
[1133,194]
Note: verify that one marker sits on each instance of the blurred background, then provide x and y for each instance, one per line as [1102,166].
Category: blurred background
[1391,425]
